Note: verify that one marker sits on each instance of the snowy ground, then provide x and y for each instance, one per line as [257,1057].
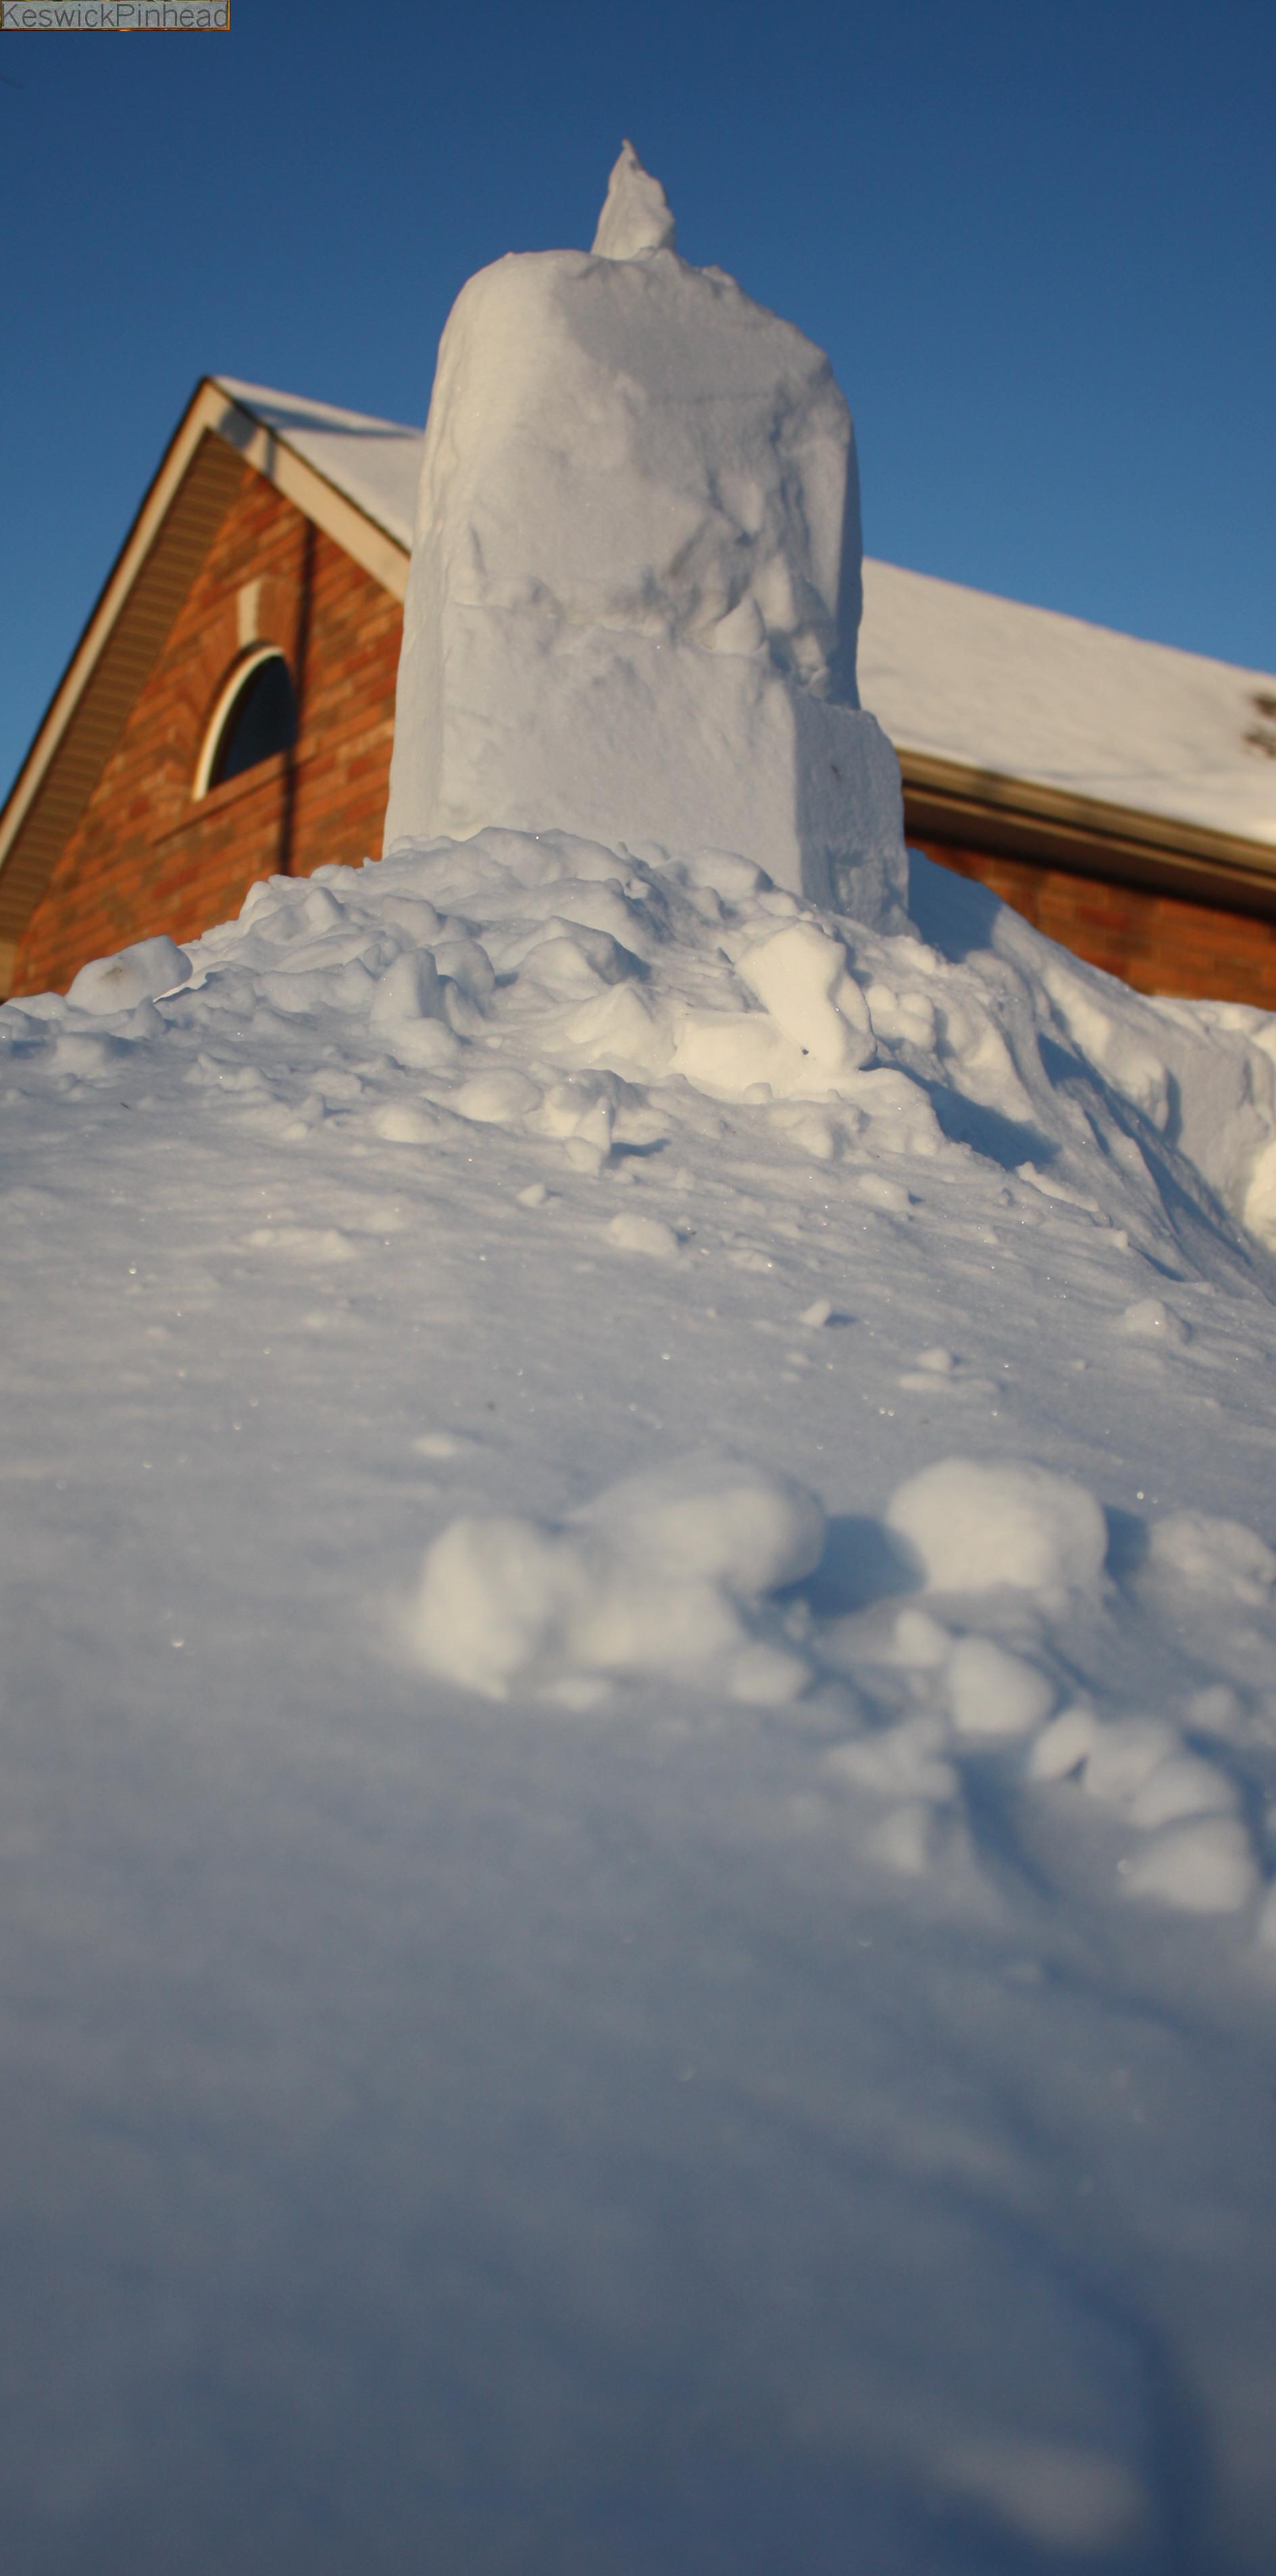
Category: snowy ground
[640,1726]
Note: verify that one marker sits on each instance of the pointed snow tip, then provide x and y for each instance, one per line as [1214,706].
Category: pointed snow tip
[635,215]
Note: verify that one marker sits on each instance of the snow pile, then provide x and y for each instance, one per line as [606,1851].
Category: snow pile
[635,583]
[603,1000]
[640,1636]
[599,1011]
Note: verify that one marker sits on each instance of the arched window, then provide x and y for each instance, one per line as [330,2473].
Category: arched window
[255,716]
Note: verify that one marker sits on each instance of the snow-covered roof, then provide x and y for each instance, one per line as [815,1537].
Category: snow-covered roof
[1026,692]
[376,463]
[955,674]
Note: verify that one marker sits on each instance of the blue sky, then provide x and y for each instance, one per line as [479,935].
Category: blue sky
[1039,243]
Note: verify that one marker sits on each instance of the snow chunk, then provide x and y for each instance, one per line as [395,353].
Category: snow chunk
[715,1517]
[631,1232]
[994,1693]
[496,1099]
[1183,1786]
[1125,1754]
[815,1316]
[665,1573]
[1063,1747]
[977,1526]
[918,1641]
[1206,1867]
[1218,1556]
[800,977]
[635,215]
[135,975]
[409,990]
[498,1599]
[1154,1321]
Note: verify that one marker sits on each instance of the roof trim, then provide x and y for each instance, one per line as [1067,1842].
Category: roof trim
[344,520]
[984,809]
[132,615]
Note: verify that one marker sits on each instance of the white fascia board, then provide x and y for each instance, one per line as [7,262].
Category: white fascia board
[267,448]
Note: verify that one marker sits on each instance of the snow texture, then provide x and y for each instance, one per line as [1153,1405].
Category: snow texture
[635,582]
[639,1739]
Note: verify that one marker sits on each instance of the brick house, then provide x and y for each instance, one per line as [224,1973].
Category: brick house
[228,714]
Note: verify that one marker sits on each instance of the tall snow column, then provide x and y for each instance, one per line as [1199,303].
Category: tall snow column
[635,581]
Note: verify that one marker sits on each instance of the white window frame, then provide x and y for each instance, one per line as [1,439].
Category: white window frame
[237,680]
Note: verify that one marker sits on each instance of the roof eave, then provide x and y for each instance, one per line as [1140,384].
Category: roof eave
[964,806]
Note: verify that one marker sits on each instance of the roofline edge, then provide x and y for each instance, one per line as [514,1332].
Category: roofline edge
[1010,817]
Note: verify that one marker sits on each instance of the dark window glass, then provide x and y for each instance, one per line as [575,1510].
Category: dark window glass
[261,720]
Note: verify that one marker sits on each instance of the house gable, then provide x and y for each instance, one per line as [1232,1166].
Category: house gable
[219,455]
[150,853]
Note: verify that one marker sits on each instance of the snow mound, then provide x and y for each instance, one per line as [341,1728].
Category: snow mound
[604,1003]
[635,582]
[641,1580]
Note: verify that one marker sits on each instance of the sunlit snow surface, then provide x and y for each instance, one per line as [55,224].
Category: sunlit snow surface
[639,1722]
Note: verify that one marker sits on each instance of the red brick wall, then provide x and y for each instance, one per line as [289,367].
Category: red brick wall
[1157,942]
[147,855]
